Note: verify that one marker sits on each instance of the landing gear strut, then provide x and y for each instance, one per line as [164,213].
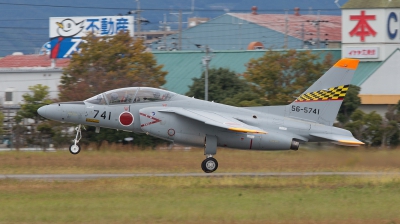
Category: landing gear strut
[75,148]
[209,165]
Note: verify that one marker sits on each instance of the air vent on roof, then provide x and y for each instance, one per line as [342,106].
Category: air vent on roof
[255,46]
[254,10]
[297,11]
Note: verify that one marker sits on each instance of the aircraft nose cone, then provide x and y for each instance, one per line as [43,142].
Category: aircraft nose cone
[42,111]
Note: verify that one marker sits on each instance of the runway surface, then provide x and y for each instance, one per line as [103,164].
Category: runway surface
[267,174]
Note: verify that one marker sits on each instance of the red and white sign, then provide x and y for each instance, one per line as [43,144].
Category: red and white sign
[361,52]
[376,26]
[362,28]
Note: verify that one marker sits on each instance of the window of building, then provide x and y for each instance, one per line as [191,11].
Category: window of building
[9,96]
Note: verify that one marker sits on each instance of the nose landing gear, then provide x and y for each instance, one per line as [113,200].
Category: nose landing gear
[75,148]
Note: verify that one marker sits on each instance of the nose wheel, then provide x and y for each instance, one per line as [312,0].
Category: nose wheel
[75,148]
[209,165]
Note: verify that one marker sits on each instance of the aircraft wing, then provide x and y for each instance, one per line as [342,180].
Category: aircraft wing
[215,119]
[339,139]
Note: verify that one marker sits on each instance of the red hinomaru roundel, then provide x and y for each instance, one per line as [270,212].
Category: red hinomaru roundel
[126,118]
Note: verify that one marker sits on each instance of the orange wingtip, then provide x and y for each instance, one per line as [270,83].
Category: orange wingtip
[347,63]
[351,142]
[247,130]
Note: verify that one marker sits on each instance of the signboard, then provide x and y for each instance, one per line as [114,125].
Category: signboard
[371,26]
[363,26]
[66,32]
[361,52]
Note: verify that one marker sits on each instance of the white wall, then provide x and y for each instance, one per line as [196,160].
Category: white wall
[386,79]
[21,79]
[379,109]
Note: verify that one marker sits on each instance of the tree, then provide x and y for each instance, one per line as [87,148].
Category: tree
[350,103]
[105,63]
[111,135]
[372,129]
[32,102]
[225,86]
[390,126]
[357,124]
[281,77]
[1,122]
[366,127]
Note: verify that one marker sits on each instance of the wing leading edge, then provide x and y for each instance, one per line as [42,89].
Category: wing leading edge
[216,120]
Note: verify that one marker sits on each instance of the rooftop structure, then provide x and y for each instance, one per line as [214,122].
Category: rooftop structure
[235,31]
[31,61]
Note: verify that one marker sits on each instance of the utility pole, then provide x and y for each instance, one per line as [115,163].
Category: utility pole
[317,24]
[165,30]
[206,61]
[286,29]
[180,31]
[318,30]
[138,17]
[302,35]
[179,15]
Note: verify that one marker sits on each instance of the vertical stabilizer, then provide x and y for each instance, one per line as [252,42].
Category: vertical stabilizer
[321,102]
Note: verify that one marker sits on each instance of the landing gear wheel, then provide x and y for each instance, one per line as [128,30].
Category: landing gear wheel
[74,149]
[209,165]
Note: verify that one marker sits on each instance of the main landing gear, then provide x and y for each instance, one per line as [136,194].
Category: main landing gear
[75,148]
[210,164]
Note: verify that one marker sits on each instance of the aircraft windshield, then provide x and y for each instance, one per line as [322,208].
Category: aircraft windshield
[121,96]
[152,95]
[131,95]
[99,99]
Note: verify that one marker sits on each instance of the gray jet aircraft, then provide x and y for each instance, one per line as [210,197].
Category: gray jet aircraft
[185,120]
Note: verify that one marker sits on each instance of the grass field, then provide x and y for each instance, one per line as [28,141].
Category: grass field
[167,161]
[315,199]
[203,200]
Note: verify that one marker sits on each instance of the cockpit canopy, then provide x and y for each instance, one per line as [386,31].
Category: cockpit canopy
[131,95]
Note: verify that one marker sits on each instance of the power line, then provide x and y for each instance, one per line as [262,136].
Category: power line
[27,28]
[152,9]
[16,19]
[32,80]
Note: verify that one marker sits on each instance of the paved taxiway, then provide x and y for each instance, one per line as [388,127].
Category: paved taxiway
[267,174]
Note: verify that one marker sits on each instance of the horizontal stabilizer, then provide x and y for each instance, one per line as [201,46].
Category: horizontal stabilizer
[215,119]
[339,139]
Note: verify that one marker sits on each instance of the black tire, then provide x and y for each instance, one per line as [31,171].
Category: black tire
[203,166]
[209,165]
[74,149]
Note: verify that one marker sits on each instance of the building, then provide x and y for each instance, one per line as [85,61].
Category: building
[183,66]
[370,33]
[235,31]
[19,72]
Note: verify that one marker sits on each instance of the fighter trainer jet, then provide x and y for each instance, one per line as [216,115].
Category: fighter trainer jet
[185,120]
